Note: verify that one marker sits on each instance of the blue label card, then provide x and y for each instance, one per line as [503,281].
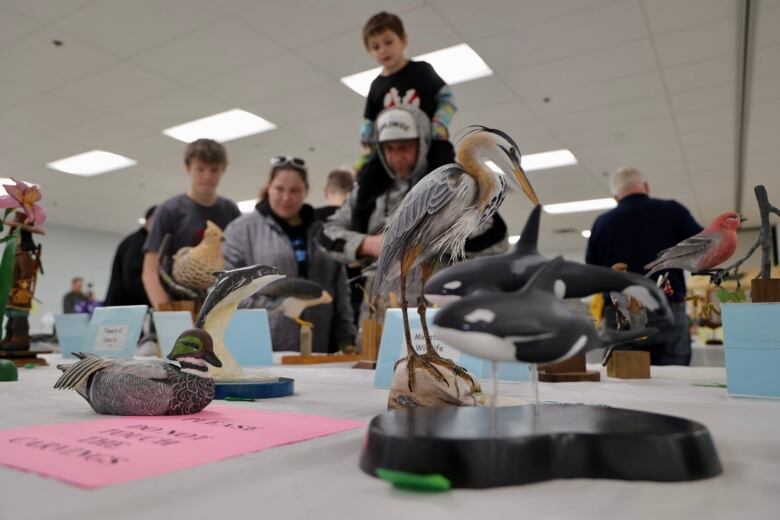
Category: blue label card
[248,338]
[393,346]
[114,331]
[169,324]
[71,331]
[752,348]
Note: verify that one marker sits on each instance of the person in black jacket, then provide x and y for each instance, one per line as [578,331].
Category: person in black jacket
[125,287]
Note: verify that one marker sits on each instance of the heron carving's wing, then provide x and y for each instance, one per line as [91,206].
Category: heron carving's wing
[410,220]
[427,197]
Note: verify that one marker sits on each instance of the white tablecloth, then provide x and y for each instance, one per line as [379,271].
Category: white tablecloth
[320,479]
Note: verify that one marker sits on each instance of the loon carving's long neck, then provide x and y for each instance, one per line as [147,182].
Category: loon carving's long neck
[469,155]
[194,366]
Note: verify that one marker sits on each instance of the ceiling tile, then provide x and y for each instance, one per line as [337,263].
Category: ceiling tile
[607,117]
[173,109]
[311,103]
[705,73]
[672,15]
[587,31]
[721,136]
[12,93]
[104,133]
[586,97]
[495,116]
[766,62]
[150,147]
[480,19]
[211,51]
[697,43]
[281,75]
[595,67]
[14,26]
[128,28]
[118,87]
[282,21]
[482,93]
[705,98]
[763,89]
[697,121]
[44,10]
[767,22]
[40,66]
[341,55]
[48,114]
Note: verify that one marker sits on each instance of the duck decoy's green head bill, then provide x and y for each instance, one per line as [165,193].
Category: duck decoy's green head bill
[194,344]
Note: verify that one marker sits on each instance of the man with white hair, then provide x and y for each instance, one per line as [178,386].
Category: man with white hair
[634,233]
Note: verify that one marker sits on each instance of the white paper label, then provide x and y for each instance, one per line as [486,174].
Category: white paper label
[111,337]
[418,342]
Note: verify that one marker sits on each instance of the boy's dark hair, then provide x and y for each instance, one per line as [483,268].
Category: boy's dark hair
[381,22]
[340,180]
[206,151]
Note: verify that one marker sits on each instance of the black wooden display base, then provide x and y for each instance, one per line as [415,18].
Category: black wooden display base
[558,441]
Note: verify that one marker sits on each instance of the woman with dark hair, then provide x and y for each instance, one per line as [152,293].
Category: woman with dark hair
[281,232]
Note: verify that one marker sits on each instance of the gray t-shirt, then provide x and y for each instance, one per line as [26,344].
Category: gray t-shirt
[185,220]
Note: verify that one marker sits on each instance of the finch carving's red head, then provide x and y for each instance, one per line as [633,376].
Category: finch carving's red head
[729,220]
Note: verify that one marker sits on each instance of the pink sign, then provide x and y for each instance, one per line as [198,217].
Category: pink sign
[98,453]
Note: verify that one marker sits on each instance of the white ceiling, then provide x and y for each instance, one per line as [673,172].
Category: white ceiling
[649,83]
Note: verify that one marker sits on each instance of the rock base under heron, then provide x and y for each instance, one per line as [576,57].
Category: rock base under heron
[430,391]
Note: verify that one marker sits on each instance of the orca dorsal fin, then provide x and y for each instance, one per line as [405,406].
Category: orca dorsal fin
[545,277]
[529,238]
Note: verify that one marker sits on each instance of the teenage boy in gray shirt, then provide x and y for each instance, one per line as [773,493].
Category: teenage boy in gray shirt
[184,216]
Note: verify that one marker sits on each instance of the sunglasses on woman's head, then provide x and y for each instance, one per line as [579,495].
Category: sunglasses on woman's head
[284,160]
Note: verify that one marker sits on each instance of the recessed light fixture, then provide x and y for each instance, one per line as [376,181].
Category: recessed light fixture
[222,127]
[580,206]
[585,233]
[141,221]
[547,160]
[513,239]
[540,161]
[456,64]
[247,206]
[92,163]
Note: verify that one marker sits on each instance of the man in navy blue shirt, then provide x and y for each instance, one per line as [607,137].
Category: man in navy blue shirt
[634,233]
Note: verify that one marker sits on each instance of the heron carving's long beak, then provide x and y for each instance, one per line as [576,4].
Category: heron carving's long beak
[524,183]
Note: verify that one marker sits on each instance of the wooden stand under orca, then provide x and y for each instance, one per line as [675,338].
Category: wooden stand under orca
[569,371]
[25,357]
[629,364]
[320,358]
[370,337]
[765,290]
[306,356]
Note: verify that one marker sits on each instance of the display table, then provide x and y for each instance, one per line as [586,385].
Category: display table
[320,479]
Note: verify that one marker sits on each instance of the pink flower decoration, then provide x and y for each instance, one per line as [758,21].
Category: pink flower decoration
[24,196]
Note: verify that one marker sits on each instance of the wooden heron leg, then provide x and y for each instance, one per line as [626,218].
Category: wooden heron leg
[413,359]
[431,355]
[405,313]
[426,270]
